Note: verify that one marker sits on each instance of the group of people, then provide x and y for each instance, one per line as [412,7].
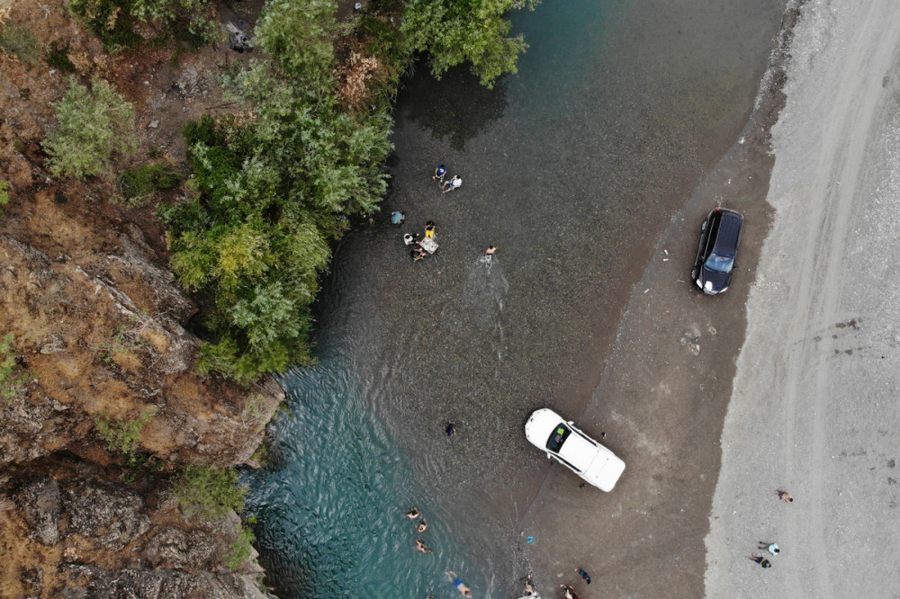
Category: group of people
[452,184]
[420,246]
[421,547]
[771,547]
[421,526]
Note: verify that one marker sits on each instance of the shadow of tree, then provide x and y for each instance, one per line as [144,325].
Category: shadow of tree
[457,106]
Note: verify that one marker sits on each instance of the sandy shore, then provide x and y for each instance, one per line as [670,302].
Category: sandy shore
[814,407]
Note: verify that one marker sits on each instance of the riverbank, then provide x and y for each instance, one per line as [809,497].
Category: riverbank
[813,409]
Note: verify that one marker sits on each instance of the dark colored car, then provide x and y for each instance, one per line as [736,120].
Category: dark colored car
[720,236]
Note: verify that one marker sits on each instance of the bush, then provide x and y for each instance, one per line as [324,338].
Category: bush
[20,42]
[209,492]
[123,436]
[240,549]
[58,57]
[4,195]
[93,126]
[476,32]
[10,378]
[139,184]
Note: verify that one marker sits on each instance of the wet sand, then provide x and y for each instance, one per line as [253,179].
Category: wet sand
[814,407]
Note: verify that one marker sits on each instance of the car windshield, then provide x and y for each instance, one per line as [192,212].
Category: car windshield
[719,263]
[558,437]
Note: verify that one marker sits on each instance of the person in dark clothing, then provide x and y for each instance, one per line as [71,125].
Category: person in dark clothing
[583,573]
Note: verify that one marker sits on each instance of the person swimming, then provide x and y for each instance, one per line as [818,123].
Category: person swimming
[413,513]
[421,547]
[422,526]
[457,582]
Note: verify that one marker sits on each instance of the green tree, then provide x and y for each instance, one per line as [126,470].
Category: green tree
[94,125]
[454,32]
[300,36]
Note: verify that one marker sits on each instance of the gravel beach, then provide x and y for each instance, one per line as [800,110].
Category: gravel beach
[814,406]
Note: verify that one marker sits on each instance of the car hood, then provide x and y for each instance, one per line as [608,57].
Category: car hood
[605,470]
[719,280]
[539,426]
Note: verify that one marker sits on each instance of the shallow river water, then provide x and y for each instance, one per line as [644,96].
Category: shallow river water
[571,167]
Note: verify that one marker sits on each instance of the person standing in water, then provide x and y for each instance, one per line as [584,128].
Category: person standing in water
[458,583]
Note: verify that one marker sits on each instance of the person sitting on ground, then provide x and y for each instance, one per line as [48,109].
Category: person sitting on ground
[422,526]
[417,254]
[413,513]
[528,589]
[429,230]
[458,583]
[439,173]
[408,239]
[421,547]
[490,250]
[453,184]
[397,217]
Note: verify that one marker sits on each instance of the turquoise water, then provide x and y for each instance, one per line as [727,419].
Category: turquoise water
[571,168]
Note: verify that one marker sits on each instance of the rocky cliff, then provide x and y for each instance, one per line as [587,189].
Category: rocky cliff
[100,404]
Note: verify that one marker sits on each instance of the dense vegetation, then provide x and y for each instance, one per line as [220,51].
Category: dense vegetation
[93,126]
[269,194]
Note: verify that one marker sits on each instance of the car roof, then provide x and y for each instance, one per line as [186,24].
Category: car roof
[729,232]
[578,451]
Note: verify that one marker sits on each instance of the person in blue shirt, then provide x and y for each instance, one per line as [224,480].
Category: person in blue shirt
[439,173]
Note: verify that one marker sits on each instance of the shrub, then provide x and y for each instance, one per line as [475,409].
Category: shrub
[123,436]
[139,184]
[10,379]
[93,125]
[4,195]
[476,32]
[58,57]
[240,548]
[20,42]
[209,492]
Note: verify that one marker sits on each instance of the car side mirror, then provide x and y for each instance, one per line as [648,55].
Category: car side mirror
[548,456]
[569,422]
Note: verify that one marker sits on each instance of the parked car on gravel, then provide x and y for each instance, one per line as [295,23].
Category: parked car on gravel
[720,236]
[566,444]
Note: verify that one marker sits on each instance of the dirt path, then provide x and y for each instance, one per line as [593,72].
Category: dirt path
[814,406]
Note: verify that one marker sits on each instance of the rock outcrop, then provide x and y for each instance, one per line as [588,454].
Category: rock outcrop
[104,369]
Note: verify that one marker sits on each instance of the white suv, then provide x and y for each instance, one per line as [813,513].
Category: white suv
[562,441]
